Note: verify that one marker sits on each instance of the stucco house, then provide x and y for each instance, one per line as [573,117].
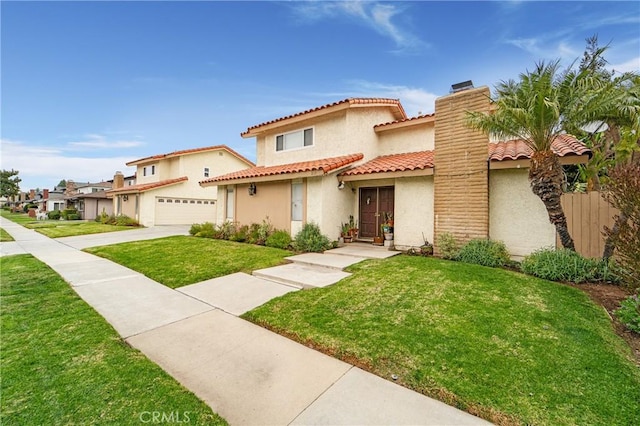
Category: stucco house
[364,157]
[166,189]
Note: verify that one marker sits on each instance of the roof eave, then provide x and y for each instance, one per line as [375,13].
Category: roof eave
[269,178]
[380,128]
[387,175]
[522,163]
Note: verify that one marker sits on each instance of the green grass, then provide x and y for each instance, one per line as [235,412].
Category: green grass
[182,260]
[509,347]
[63,364]
[62,228]
[4,236]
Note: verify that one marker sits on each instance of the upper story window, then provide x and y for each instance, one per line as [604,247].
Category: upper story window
[294,140]
[149,170]
[206,172]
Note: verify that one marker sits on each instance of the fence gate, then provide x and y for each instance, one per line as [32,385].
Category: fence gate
[587,215]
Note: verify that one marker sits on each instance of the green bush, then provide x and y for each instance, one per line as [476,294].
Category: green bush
[629,313]
[73,216]
[264,230]
[29,206]
[253,233]
[54,215]
[567,265]
[310,239]
[226,230]
[205,230]
[105,219]
[66,212]
[240,235]
[195,228]
[484,252]
[124,220]
[447,246]
[279,239]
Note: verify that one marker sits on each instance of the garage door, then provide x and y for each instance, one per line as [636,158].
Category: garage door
[184,211]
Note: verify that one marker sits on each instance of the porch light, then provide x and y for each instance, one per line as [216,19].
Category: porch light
[252,189]
[341,185]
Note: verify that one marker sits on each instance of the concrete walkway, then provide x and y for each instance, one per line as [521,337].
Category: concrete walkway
[247,374]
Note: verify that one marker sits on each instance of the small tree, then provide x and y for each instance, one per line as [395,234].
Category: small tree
[9,183]
[624,194]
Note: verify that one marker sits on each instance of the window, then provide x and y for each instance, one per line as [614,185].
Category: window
[151,170]
[230,204]
[144,171]
[296,201]
[206,172]
[294,140]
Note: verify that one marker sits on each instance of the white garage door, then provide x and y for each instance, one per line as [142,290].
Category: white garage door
[184,211]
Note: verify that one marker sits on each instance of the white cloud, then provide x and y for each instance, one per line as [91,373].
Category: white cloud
[42,167]
[415,100]
[375,15]
[627,66]
[95,141]
[542,49]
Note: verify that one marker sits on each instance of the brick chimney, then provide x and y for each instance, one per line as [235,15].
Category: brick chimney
[461,175]
[45,194]
[32,194]
[118,180]
[71,188]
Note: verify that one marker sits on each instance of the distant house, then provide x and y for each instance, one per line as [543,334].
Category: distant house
[166,189]
[55,199]
[89,199]
[363,157]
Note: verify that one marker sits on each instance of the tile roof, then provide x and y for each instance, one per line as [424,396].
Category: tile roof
[189,151]
[324,165]
[517,148]
[394,163]
[142,187]
[404,120]
[350,101]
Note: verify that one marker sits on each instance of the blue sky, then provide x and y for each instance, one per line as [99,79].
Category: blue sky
[88,86]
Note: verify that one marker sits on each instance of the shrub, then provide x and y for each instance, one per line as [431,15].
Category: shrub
[310,239]
[240,235]
[484,252]
[566,265]
[66,212]
[264,230]
[26,207]
[253,233]
[205,230]
[195,228]
[624,194]
[629,313]
[279,239]
[54,214]
[447,246]
[122,220]
[73,216]
[226,230]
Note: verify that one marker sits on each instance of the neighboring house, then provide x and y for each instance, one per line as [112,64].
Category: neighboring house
[89,199]
[166,189]
[55,200]
[365,158]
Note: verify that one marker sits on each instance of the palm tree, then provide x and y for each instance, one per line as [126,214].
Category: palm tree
[532,110]
[543,104]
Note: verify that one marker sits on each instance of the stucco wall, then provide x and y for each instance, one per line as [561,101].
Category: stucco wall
[328,206]
[413,211]
[406,139]
[272,200]
[516,215]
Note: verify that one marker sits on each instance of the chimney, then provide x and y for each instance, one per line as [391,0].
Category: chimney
[32,194]
[71,188]
[45,194]
[461,175]
[118,180]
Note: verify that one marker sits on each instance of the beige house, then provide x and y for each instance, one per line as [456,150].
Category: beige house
[166,189]
[365,157]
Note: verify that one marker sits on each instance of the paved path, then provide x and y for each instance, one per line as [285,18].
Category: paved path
[247,374]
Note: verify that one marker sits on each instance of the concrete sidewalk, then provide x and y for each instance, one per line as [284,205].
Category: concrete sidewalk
[247,374]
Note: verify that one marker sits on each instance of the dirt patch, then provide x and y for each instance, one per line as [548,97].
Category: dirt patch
[609,297]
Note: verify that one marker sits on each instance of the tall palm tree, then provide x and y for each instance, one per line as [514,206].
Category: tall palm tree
[543,104]
[531,109]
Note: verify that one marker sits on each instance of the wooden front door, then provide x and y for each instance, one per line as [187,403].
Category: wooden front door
[373,202]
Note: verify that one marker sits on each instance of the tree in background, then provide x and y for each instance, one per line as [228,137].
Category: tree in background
[62,184]
[9,183]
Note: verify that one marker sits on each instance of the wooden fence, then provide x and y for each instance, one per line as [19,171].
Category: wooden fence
[587,215]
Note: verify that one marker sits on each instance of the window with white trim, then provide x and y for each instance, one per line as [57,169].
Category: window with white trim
[230,203]
[206,172]
[294,140]
[296,201]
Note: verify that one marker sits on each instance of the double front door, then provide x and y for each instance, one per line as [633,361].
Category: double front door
[373,203]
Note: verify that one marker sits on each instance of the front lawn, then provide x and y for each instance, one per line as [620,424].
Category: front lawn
[4,236]
[63,364]
[62,228]
[182,260]
[508,347]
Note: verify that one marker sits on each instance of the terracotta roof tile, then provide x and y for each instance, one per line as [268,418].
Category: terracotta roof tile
[350,101]
[517,149]
[404,120]
[189,151]
[394,163]
[325,165]
[142,187]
